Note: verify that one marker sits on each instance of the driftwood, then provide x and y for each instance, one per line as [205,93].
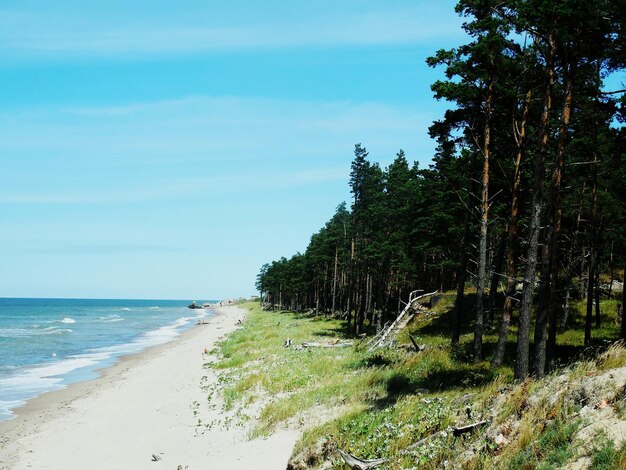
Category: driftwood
[288,343]
[423,441]
[468,428]
[457,431]
[337,344]
[382,339]
[358,464]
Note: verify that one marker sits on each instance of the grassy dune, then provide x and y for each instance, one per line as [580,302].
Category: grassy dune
[376,404]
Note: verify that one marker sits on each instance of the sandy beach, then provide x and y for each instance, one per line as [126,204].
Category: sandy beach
[142,413]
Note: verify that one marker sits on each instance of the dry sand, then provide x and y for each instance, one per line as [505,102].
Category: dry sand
[147,404]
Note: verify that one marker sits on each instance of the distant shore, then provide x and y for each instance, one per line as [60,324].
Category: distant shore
[150,410]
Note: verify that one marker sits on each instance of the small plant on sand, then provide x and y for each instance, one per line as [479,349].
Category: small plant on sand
[545,448]
[605,456]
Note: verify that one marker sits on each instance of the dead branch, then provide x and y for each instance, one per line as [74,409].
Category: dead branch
[470,427]
[612,92]
[423,441]
[457,431]
[337,344]
[359,464]
[418,347]
[385,333]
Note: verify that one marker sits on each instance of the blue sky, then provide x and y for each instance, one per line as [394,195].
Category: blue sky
[168,149]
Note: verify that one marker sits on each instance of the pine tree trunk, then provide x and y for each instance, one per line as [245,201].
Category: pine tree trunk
[611,273]
[368,300]
[547,303]
[570,256]
[597,299]
[496,273]
[623,329]
[484,223]
[589,313]
[324,290]
[511,272]
[317,298]
[582,287]
[592,254]
[349,304]
[361,306]
[460,285]
[523,337]
[334,300]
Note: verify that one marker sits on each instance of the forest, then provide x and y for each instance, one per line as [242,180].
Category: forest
[523,205]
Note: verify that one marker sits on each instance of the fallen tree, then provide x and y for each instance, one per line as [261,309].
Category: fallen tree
[401,321]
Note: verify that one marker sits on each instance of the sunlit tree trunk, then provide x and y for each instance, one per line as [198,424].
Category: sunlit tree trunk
[512,235]
[523,337]
[484,223]
[547,303]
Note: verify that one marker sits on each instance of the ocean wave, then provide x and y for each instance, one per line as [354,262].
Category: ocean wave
[161,335]
[22,384]
[66,320]
[126,309]
[6,406]
[51,330]
[110,319]
[26,332]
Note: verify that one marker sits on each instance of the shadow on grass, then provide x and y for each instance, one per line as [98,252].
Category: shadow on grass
[348,330]
[342,330]
[400,384]
[441,324]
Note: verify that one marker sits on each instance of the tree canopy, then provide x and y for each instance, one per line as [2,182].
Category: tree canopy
[523,201]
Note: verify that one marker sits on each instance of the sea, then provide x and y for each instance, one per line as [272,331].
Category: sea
[47,344]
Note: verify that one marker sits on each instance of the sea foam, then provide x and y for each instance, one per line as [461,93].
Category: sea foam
[27,332]
[39,352]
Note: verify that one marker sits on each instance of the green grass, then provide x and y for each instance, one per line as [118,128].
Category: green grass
[393,397]
[388,398]
[258,365]
[606,457]
[550,450]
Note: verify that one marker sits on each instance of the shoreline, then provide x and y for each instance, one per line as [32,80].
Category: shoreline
[144,411]
[75,390]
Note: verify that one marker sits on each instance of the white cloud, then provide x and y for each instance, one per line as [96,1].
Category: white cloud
[168,189]
[51,33]
[227,126]
[194,147]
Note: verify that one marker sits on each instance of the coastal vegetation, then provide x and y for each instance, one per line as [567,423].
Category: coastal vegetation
[403,405]
[522,212]
[519,227]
